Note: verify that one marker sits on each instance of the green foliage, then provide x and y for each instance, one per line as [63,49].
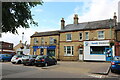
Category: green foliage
[16,15]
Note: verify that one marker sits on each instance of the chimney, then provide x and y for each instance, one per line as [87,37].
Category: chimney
[115,18]
[76,19]
[62,24]
[36,33]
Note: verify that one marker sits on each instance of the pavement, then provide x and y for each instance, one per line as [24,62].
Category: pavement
[90,67]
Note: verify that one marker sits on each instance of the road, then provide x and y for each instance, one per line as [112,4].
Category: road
[61,70]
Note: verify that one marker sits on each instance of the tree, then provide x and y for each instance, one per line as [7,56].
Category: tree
[16,15]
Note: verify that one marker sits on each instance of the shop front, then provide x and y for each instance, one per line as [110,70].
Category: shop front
[98,50]
[44,50]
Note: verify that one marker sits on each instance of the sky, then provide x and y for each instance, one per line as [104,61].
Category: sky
[51,12]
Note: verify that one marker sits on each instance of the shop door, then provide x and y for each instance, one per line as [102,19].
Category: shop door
[108,52]
[80,54]
[51,52]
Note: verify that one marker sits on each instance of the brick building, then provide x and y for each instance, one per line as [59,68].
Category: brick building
[6,48]
[95,40]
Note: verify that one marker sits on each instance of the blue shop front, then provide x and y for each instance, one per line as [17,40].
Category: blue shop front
[44,50]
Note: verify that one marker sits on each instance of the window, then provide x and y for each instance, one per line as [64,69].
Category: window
[68,37]
[86,36]
[35,41]
[97,49]
[100,34]
[80,36]
[42,41]
[68,50]
[51,40]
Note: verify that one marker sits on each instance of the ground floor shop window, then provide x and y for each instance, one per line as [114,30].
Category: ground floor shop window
[98,49]
[68,50]
[51,52]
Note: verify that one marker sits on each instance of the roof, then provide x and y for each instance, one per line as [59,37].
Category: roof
[101,24]
[49,33]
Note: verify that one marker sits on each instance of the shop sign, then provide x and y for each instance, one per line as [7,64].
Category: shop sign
[48,47]
[100,43]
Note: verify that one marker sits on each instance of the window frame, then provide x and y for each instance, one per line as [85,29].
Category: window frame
[67,37]
[80,36]
[35,41]
[42,41]
[86,36]
[66,51]
[51,40]
[101,35]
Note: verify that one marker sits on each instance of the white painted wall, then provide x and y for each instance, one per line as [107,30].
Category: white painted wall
[25,51]
[95,57]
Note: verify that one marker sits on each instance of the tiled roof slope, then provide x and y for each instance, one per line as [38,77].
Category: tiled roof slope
[45,33]
[102,24]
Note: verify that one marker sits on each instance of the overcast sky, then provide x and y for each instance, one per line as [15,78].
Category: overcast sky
[50,13]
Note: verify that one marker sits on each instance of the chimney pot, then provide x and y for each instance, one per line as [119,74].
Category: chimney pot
[62,23]
[76,19]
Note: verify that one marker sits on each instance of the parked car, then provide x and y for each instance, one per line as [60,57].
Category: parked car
[17,59]
[115,64]
[45,60]
[28,59]
[5,57]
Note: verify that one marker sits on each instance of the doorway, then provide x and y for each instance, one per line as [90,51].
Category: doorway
[80,51]
[108,53]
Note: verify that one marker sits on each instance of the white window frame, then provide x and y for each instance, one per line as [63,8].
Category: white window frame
[42,40]
[86,36]
[80,36]
[51,40]
[67,37]
[35,41]
[71,51]
[102,34]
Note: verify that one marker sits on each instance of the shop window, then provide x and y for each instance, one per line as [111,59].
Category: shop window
[68,37]
[97,49]
[86,36]
[80,36]
[100,34]
[68,50]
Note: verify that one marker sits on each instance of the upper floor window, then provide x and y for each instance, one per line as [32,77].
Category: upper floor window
[42,40]
[86,35]
[100,34]
[68,37]
[51,40]
[35,41]
[80,36]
